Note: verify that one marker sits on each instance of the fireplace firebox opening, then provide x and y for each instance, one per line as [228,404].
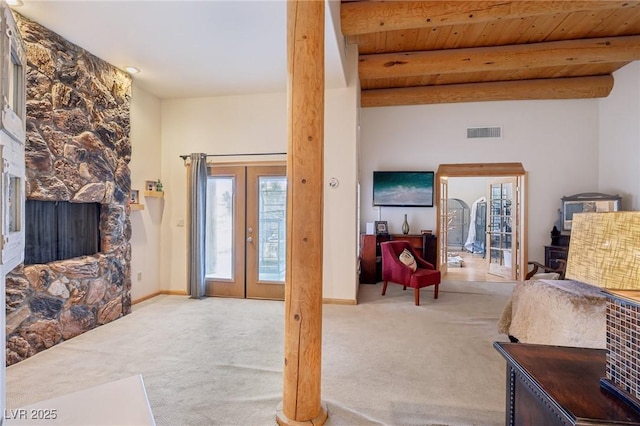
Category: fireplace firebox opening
[60,230]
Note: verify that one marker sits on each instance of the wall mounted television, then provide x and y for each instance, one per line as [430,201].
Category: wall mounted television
[403,189]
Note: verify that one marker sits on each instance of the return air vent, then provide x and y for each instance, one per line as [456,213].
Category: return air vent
[484,132]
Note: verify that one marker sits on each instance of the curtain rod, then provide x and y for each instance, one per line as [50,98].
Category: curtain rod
[184,157]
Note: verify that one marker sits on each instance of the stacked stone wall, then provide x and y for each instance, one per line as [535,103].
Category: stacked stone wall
[77,150]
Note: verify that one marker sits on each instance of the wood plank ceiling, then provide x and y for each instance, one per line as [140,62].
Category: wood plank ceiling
[427,52]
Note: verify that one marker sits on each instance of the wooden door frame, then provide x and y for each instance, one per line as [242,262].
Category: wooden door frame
[442,229]
[240,251]
[254,287]
[235,287]
[515,231]
[494,170]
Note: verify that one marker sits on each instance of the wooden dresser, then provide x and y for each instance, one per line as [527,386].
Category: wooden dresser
[556,385]
[370,257]
[557,251]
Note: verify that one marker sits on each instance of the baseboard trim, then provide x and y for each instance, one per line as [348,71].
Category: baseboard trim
[147,297]
[174,292]
[327,301]
[158,293]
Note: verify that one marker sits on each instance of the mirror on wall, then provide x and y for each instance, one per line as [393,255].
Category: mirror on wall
[587,202]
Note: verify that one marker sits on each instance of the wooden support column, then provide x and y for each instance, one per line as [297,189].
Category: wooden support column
[301,404]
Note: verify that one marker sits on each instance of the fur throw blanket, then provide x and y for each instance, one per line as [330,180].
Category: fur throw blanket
[556,312]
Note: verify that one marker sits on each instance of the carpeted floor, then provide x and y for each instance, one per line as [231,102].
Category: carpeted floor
[218,361]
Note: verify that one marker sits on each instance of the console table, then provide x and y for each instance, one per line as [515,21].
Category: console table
[370,256]
[557,385]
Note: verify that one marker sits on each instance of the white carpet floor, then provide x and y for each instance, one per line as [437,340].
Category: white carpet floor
[218,361]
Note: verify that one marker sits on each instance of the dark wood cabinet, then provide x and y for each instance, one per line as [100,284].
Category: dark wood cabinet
[430,249]
[370,256]
[554,253]
[556,385]
[414,240]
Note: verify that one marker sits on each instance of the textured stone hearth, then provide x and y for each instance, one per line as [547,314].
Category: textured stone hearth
[77,150]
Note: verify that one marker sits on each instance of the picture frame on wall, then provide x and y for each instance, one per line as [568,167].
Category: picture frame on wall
[403,188]
[381,227]
[134,196]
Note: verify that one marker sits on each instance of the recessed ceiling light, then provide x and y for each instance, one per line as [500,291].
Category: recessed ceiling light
[132,70]
[15,2]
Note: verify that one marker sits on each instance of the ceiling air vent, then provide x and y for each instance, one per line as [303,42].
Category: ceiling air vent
[484,132]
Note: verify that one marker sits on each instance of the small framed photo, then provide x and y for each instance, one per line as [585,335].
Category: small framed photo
[381,227]
[134,197]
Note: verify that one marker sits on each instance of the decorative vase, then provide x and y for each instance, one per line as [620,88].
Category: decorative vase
[405,226]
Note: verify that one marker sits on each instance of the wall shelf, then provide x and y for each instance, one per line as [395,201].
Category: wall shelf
[156,194]
[136,206]
[153,188]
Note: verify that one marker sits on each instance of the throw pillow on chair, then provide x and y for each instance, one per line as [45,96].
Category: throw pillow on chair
[407,258]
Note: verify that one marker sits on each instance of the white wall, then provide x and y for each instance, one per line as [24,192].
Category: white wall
[340,277]
[221,125]
[557,142]
[257,124]
[620,138]
[145,165]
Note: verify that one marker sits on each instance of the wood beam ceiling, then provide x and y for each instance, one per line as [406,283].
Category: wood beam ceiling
[548,88]
[466,51]
[555,53]
[370,17]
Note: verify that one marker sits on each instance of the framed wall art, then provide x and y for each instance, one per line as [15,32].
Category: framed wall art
[382,227]
[587,202]
[403,189]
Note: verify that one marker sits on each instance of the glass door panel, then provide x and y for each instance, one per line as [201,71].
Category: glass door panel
[272,222]
[219,239]
[224,238]
[266,231]
[443,223]
[500,228]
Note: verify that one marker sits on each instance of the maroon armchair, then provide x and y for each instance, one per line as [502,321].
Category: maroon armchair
[395,271]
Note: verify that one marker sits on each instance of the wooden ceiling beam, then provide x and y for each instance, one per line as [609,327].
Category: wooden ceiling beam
[494,58]
[364,17]
[555,88]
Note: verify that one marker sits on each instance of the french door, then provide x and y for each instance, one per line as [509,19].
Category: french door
[502,226]
[246,231]
[506,220]
[443,223]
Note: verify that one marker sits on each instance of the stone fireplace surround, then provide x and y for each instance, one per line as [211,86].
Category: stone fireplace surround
[77,150]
